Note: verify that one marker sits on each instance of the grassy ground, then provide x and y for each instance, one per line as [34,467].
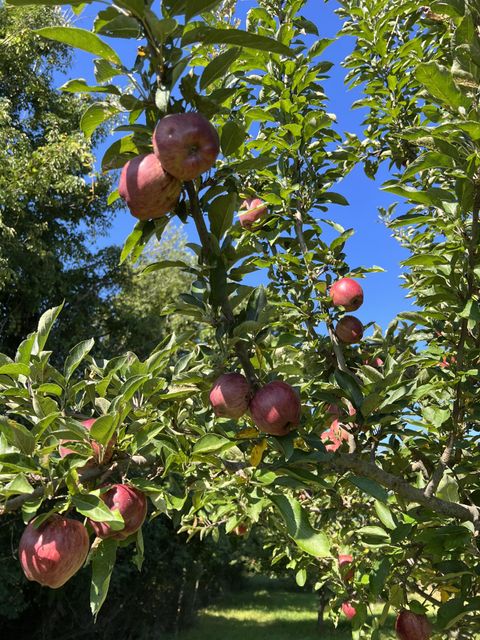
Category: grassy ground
[263,615]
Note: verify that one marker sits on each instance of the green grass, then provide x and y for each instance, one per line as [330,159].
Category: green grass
[263,615]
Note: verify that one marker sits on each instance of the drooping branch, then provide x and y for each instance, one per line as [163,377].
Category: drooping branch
[85,475]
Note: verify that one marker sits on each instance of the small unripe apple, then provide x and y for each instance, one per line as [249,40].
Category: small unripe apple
[186,144]
[344,560]
[349,610]
[336,436]
[412,626]
[132,505]
[52,553]
[275,408]
[251,210]
[230,396]
[349,330]
[107,454]
[346,293]
[149,191]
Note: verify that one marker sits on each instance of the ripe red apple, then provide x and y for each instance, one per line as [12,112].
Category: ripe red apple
[51,554]
[240,530]
[230,396]
[349,330]
[275,408]
[349,610]
[344,560]
[149,191]
[412,626]
[251,210]
[132,505]
[107,454]
[336,436]
[346,293]
[376,362]
[186,144]
[335,411]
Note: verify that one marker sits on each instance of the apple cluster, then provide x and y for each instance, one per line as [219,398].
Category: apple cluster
[185,145]
[347,293]
[52,550]
[275,408]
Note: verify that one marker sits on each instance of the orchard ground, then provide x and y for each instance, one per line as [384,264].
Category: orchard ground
[259,612]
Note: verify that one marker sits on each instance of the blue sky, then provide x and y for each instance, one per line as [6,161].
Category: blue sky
[372,243]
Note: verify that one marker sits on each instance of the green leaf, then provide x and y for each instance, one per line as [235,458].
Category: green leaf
[80,86]
[103,561]
[45,325]
[75,357]
[15,369]
[220,213]
[47,3]
[138,238]
[233,136]
[93,117]
[370,487]
[440,83]
[17,462]
[346,382]
[384,515]
[103,429]
[299,528]
[247,39]
[19,485]
[212,442]
[195,7]
[218,67]
[17,435]
[81,39]
[92,506]
[378,578]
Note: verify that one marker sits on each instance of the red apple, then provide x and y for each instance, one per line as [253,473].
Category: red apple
[107,454]
[186,144]
[51,554]
[412,626]
[132,505]
[376,362]
[149,191]
[335,411]
[346,293]
[240,530]
[344,560]
[349,330]
[230,396]
[275,408]
[251,210]
[349,610]
[336,436]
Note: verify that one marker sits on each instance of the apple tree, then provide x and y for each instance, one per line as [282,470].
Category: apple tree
[357,455]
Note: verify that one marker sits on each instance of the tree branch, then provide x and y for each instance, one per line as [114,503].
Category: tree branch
[347,462]
[458,406]
[241,347]
[92,473]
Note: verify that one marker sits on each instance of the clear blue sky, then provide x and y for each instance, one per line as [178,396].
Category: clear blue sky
[371,243]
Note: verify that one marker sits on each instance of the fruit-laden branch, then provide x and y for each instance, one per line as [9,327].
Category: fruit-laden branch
[347,462]
[92,473]
[458,406]
[337,349]
[205,240]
